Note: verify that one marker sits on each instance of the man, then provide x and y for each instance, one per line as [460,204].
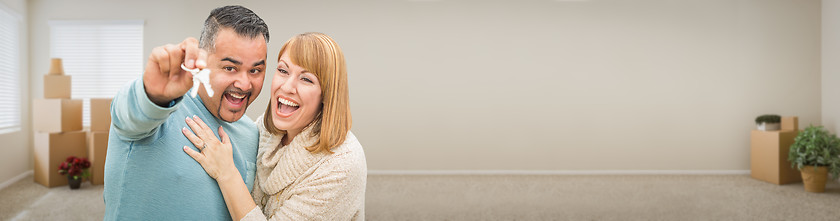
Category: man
[147,174]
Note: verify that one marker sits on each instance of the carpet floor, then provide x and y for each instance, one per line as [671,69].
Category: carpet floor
[513,197]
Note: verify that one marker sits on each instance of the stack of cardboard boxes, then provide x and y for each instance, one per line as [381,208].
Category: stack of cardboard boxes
[58,132]
[769,153]
[57,125]
[100,123]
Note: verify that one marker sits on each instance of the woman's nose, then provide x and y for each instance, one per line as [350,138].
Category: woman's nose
[288,85]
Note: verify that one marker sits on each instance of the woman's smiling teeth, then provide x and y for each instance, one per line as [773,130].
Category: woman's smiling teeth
[286,107]
[287,102]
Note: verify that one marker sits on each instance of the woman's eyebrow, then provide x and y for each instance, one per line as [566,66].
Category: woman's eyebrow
[284,64]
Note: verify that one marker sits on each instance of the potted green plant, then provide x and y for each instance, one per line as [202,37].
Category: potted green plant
[768,122]
[75,168]
[815,152]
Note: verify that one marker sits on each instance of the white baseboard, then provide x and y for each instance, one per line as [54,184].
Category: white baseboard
[558,172]
[15,179]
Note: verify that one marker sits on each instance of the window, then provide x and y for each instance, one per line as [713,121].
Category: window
[9,70]
[101,56]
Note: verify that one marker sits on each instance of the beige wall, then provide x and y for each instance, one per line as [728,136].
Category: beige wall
[15,151]
[831,64]
[533,85]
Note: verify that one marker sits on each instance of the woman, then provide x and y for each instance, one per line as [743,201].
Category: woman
[309,165]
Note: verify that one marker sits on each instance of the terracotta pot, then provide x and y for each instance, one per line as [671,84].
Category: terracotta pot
[814,180]
[76,183]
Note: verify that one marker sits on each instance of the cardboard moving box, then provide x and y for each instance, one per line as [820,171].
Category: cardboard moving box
[56,68]
[97,149]
[790,123]
[100,114]
[56,115]
[769,156]
[53,148]
[57,86]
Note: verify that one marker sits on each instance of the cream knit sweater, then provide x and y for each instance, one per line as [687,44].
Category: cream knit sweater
[294,184]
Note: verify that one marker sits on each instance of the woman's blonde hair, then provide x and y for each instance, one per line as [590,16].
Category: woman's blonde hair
[321,56]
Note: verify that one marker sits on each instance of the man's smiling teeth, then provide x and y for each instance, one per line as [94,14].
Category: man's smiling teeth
[287,102]
[237,96]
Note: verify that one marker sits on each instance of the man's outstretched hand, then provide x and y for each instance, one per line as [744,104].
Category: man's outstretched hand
[164,79]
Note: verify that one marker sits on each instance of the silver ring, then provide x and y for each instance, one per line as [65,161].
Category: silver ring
[203,146]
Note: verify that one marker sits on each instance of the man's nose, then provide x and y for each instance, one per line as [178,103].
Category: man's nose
[242,81]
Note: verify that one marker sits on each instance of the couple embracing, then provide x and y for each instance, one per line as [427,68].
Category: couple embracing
[172,156]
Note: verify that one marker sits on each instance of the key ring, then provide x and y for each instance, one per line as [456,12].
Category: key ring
[202,77]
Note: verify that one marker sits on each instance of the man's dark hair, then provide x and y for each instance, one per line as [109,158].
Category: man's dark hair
[242,20]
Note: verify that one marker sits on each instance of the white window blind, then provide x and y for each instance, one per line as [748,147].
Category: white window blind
[101,56]
[9,70]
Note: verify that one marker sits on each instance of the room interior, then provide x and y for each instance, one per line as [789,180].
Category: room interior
[511,110]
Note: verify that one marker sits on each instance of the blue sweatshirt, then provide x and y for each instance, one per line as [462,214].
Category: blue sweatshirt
[148,176]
